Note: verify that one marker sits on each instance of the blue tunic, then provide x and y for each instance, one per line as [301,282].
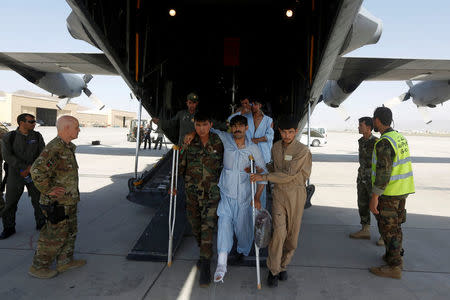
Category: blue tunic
[264,129]
[235,210]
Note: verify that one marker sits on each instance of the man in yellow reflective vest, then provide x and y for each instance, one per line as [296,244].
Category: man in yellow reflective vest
[392,182]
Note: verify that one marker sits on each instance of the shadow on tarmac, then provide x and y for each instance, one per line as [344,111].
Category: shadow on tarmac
[326,264]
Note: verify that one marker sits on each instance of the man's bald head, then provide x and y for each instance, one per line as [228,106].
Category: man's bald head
[68,128]
[64,122]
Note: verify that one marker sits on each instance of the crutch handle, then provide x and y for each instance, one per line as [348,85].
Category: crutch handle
[176,147]
[251,157]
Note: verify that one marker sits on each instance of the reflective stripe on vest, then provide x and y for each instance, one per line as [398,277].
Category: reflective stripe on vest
[401,181]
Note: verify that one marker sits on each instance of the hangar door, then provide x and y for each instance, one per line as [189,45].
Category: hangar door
[48,116]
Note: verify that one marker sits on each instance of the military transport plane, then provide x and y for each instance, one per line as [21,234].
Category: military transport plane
[288,53]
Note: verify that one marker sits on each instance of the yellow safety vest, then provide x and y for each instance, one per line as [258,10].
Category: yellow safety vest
[402,180]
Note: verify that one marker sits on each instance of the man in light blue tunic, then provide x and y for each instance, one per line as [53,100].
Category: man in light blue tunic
[260,131]
[235,210]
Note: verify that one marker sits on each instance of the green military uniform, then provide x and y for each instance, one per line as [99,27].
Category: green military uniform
[3,131]
[363,181]
[20,153]
[201,167]
[57,167]
[184,120]
[392,212]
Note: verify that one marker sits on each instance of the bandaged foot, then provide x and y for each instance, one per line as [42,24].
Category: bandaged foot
[221,267]
[220,273]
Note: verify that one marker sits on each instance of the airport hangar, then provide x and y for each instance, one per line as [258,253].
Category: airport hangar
[45,110]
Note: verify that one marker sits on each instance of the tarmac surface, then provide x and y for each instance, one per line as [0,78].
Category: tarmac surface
[327,264]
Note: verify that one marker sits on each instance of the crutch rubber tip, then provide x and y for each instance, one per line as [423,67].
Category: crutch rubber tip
[169,264]
[259,286]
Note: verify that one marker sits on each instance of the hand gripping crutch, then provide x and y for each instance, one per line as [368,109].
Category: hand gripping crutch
[173,201]
[253,171]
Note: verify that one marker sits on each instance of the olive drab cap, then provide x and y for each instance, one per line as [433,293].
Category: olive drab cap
[192,97]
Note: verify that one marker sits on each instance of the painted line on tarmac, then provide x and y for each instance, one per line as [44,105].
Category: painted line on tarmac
[105,176]
[354,225]
[367,268]
[154,281]
[352,185]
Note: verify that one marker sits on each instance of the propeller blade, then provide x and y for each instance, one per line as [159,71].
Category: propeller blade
[343,113]
[425,114]
[87,78]
[397,100]
[98,103]
[409,83]
[62,103]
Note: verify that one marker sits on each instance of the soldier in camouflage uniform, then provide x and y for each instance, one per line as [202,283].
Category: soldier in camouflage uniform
[392,180]
[184,119]
[55,173]
[364,184]
[200,164]
[3,131]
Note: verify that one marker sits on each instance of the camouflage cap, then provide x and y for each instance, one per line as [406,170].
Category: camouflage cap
[192,97]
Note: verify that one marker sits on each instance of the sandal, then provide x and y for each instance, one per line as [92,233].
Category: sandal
[220,273]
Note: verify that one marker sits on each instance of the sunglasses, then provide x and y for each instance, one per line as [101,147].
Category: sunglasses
[31,121]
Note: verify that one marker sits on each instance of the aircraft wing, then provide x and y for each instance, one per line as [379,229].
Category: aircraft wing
[79,63]
[385,69]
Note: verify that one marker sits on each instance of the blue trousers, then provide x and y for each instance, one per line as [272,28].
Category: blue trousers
[235,217]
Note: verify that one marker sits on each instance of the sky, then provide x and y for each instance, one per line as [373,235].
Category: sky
[411,29]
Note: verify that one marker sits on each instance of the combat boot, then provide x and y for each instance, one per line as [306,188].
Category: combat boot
[7,232]
[387,271]
[205,273]
[76,263]
[283,276]
[380,242]
[385,260]
[272,281]
[363,234]
[44,273]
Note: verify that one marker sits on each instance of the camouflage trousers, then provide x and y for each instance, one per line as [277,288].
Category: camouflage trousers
[364,189]
[392,215]
[201,212]
[57,241]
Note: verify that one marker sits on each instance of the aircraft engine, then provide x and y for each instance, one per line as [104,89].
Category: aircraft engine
[424,94]
[67,86]
[335,92]
[366,29]
[61,84]
[77,30]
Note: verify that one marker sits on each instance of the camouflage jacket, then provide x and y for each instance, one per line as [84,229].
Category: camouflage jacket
[185,122]
[57,167]
[365,151]
[385,160]
[201,165]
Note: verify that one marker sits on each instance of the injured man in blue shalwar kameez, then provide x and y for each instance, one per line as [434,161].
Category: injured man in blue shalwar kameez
[235,210]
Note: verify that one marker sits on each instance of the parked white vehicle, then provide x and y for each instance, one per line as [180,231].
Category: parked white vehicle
[317,139]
